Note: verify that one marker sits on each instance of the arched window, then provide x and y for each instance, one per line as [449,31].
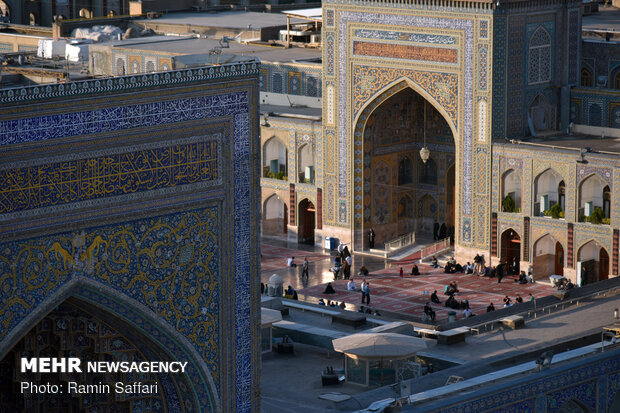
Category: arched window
[511,191]
[539,62]
[275,157]
[586,77]
[592,193]
[428,173]
[305,164]
[405,171]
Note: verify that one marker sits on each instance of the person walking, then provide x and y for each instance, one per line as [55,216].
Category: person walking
[304,270]
[402,274]
[363,290]
[499,271]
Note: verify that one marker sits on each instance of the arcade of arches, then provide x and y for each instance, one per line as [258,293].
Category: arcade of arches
[402,194]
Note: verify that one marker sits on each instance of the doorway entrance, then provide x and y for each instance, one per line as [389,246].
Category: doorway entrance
[307,214]
[511,247]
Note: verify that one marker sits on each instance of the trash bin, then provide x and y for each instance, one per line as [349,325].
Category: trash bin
[451,316]
[327,243]
[330,243]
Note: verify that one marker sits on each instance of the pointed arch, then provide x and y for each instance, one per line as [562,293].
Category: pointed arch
[392,88]
[591,195]
[511,191]
[134,319]
[539,58]
[275,158]
[547,191]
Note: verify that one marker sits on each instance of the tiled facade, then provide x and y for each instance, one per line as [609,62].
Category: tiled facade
[588,385]
[127,204]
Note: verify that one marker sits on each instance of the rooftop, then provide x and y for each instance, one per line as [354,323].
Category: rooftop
[182,45]
[606,19]
[226,19]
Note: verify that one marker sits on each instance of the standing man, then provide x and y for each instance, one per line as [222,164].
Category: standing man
[304,271]
[436,231]
[367,287]
[371,238]
[363,290]
[499,271]
[584,275]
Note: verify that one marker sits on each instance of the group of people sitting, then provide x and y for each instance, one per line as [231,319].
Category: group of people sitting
[290,293]
[330,303]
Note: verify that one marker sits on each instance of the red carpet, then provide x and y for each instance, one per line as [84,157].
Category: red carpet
[408,295]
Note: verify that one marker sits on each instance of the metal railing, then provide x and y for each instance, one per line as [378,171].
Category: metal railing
[400,242]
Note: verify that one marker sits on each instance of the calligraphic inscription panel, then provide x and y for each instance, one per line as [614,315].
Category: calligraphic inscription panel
[68,181]
[120,117]
[400,51]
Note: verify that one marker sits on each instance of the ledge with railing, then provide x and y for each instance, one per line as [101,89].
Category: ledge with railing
[399,243]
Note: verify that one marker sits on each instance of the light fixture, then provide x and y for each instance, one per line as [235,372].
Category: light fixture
[424,152]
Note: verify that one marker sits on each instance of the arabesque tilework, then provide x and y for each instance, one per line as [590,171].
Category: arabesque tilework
[167,257]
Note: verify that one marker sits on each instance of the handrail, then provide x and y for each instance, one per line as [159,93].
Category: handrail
[400,242]
[435,248]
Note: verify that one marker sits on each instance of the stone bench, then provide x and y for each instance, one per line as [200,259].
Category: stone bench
[456,335]
[513,321]
[323,310]
[426,332]
[349,318]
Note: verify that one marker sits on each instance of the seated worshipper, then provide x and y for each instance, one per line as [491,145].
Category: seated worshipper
[336,271]
[468,268]
[295,297]
[351,285]
[518,299]
[467,312]
[570,285]
[321,302]
[452,303]
[333,304]
[376,312]
[490,308]
[363,270]
[434,298]
[428,310]
[329,289]
[434,262]
[507,301]
[450,266]
[361,310]
[415,270]
[289,292]
[522,278]
[459,268]
[531,297]
[464,304]
[342,305]
[454,287]
[291,262]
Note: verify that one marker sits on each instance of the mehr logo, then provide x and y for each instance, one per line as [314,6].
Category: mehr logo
[51,365]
